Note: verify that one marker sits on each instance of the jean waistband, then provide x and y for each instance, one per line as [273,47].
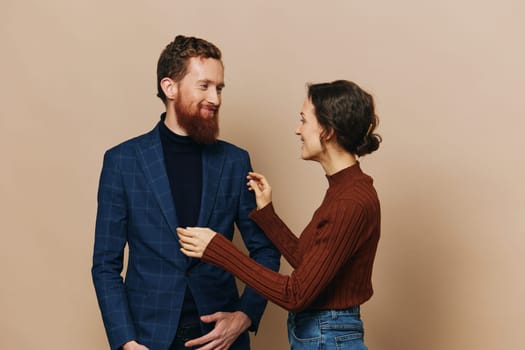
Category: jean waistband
[353,310]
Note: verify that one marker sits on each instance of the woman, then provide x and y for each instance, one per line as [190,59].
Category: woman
[333,257]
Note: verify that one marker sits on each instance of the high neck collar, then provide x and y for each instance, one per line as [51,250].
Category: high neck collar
[175,142]
[170,135]
[345,175]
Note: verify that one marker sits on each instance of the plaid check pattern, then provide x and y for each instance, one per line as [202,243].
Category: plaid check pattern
[135,207]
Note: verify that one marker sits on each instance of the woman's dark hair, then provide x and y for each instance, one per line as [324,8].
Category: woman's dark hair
[173,61]
[342,106]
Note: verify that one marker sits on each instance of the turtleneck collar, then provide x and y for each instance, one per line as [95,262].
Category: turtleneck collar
[176,142]
[345,175]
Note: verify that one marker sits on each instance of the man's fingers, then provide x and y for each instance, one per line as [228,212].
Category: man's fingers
[211,317]
[214,345]
[198,341]
[214,342]
[207,338]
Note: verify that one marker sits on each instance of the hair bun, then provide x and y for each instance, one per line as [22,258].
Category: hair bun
[370,144]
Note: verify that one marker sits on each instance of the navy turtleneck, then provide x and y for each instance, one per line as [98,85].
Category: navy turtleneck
[183,159]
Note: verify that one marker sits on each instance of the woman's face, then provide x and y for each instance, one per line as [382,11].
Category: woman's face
[310,132]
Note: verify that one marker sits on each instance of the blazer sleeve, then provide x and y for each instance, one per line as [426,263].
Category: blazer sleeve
[260,249]
[110,240]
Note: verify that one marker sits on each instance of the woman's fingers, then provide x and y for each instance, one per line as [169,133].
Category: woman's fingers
[260,186]
[194,240]
[191,253]
[254,186]
[187,239]
[184,235]
[257,181]
[253,175]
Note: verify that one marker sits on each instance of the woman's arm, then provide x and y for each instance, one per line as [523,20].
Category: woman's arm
[267,219]
[277,231]
[336,239]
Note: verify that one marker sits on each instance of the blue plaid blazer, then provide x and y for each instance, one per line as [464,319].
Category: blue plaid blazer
[135,206]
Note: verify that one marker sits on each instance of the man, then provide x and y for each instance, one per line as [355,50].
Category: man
[177,175]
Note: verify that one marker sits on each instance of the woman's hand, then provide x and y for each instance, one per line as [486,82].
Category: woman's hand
[194,240]
[262,189]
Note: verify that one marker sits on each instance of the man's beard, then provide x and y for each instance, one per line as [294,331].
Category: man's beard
[202,129]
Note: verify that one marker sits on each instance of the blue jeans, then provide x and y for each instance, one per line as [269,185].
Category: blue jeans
[326,329]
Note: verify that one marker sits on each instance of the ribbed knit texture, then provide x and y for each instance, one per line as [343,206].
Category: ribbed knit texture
[333,257]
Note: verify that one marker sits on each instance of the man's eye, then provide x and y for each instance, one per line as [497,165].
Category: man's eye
[204,86]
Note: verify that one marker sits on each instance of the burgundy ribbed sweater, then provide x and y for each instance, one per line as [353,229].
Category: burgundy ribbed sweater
[333,257]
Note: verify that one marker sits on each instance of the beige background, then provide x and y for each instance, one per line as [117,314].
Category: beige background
[77,77]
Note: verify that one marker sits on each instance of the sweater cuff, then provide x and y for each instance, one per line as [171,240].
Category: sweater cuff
[260,215]
[267,219]
[216,249]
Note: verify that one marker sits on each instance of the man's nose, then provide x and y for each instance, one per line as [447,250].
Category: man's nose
[213,97]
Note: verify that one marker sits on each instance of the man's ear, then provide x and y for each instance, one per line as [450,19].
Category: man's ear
[169,87]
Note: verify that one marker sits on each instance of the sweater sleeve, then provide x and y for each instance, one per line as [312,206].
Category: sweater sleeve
[336,239]
[280,235]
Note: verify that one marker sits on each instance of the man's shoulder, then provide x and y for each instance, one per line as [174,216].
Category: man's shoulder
[230,148]
[129,145]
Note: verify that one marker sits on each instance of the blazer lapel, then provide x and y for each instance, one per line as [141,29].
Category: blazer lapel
[151,158]
[212,165]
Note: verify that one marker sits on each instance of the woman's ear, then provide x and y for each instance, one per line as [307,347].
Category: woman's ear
[328,135]
[169,87]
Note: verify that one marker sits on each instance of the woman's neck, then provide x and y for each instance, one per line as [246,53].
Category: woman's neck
[336,159]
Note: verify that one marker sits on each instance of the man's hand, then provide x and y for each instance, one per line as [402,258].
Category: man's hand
[228,326]
[133,345]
